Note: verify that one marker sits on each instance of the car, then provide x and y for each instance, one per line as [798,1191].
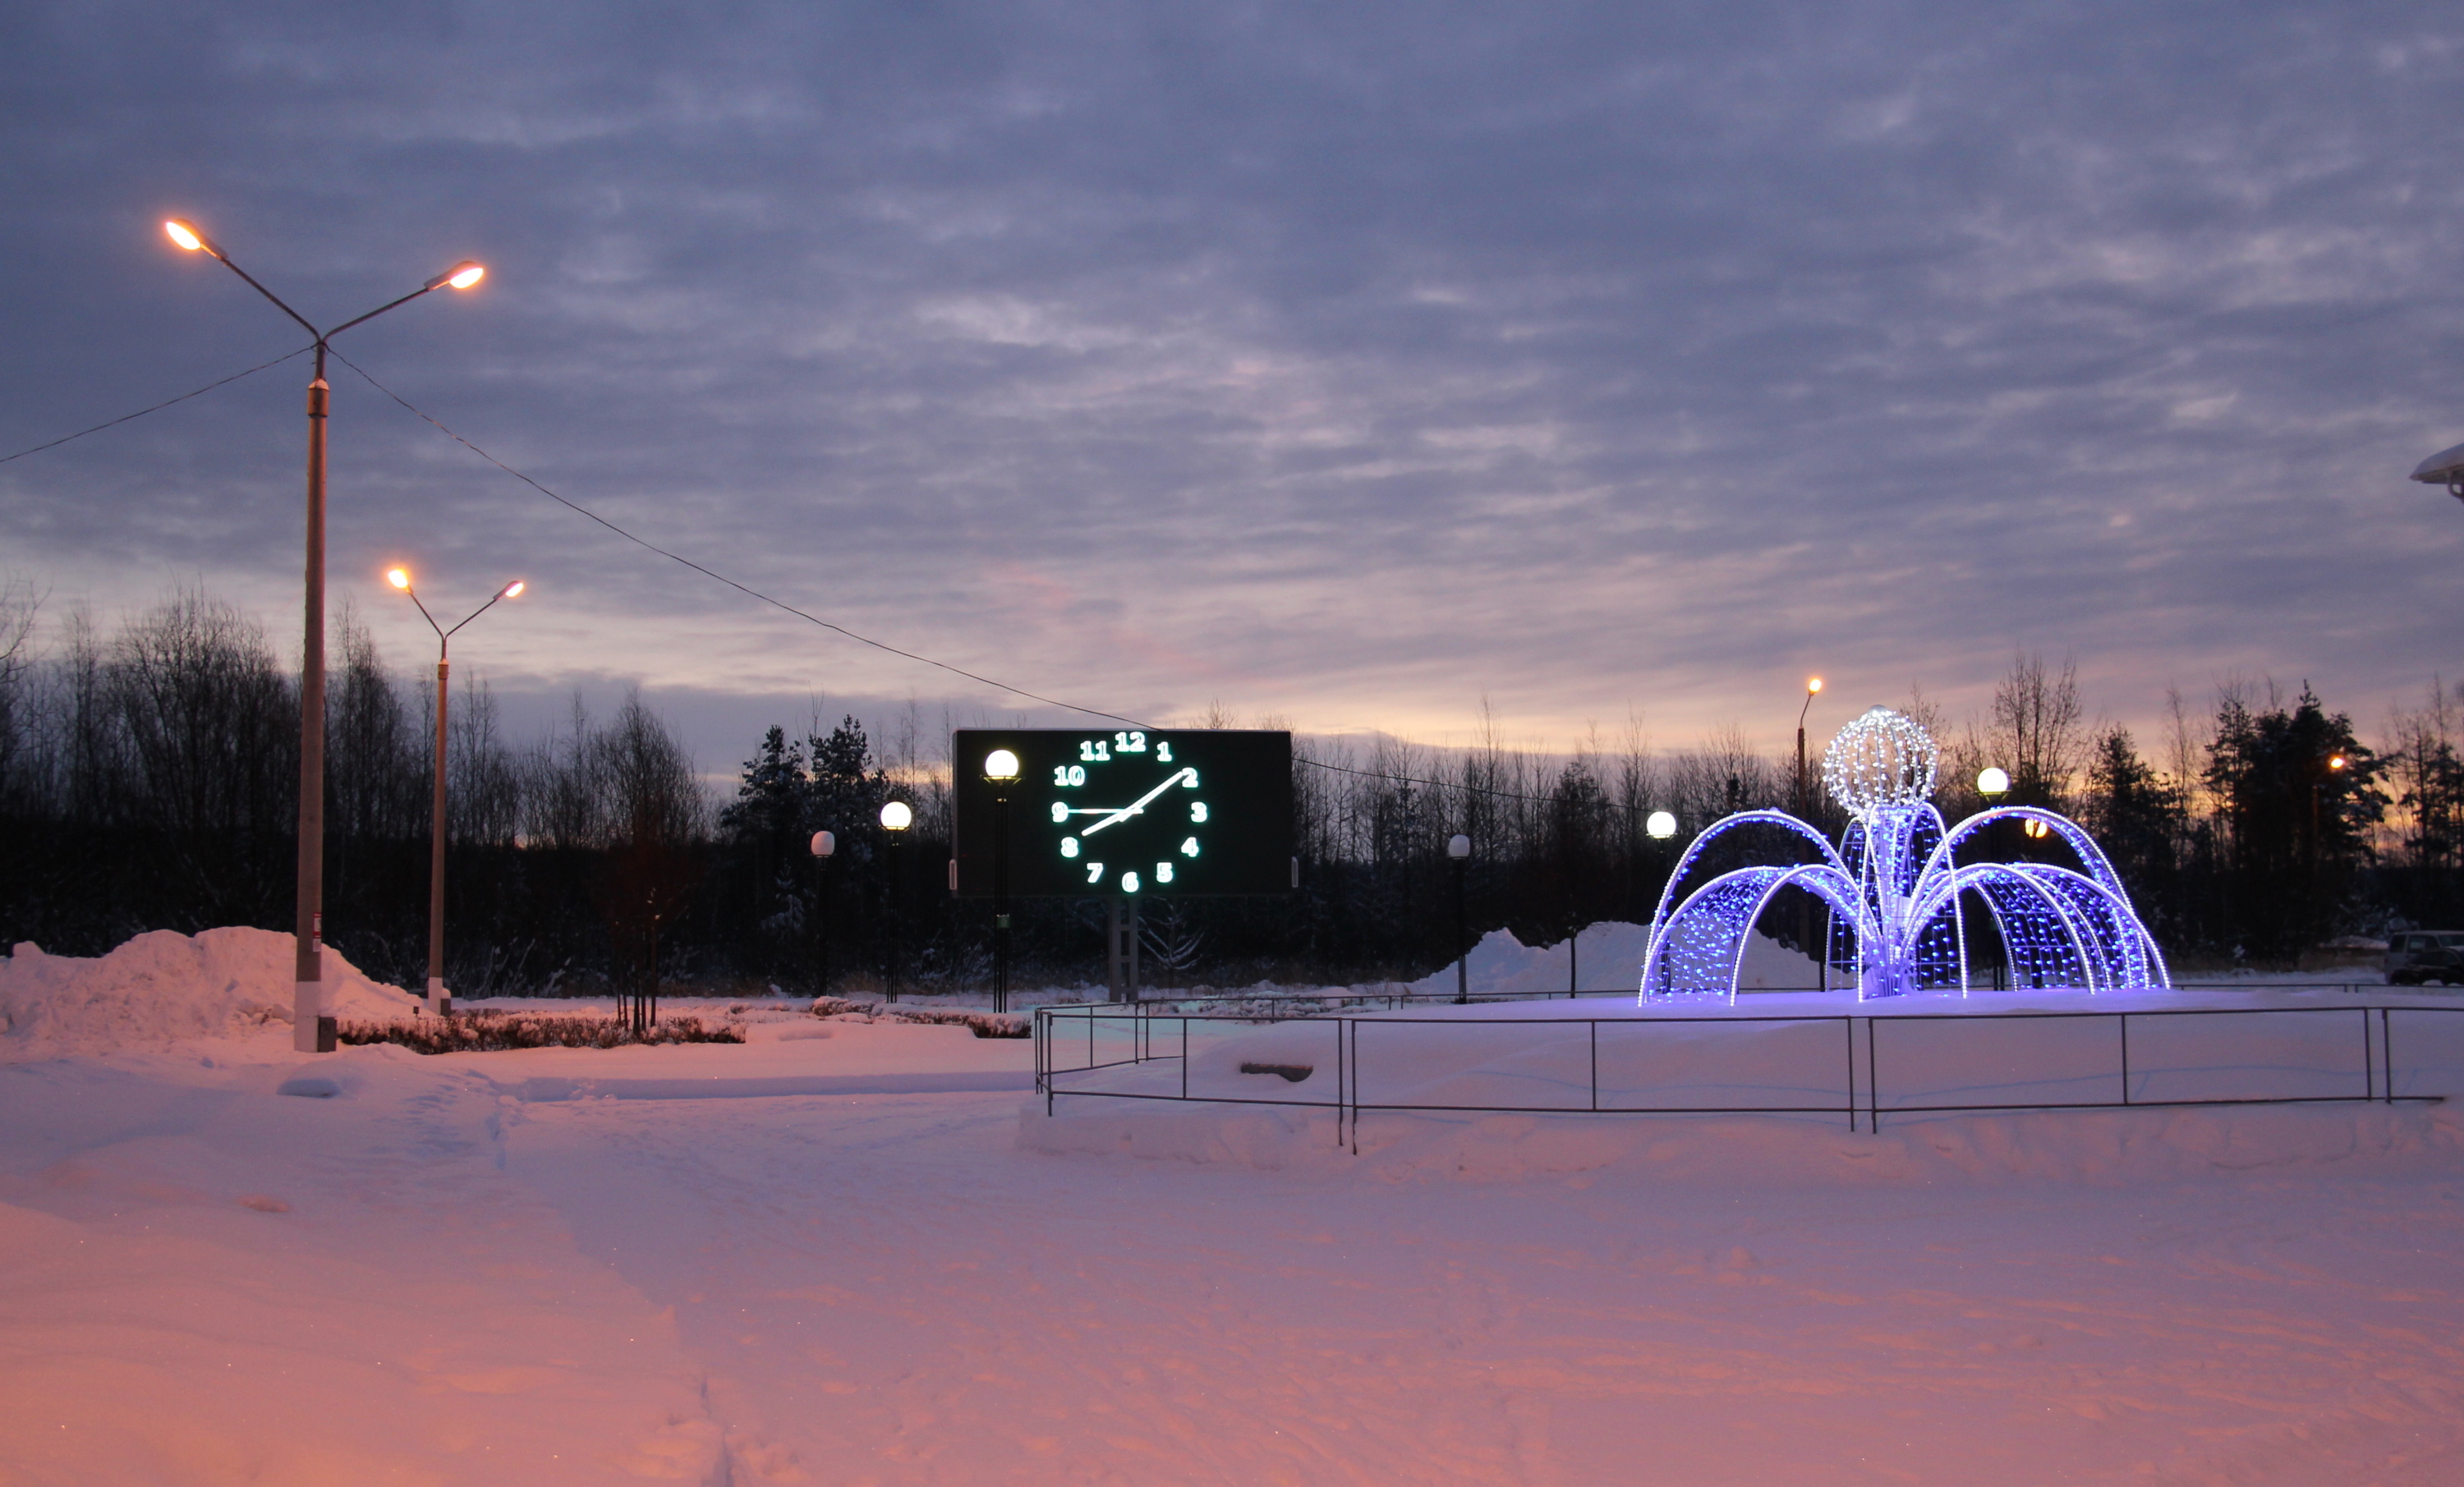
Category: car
[2419,955]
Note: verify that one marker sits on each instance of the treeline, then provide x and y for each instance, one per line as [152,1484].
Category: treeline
[148,777]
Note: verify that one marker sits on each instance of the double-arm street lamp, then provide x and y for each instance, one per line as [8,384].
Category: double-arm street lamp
[438,1001]
[309,1032]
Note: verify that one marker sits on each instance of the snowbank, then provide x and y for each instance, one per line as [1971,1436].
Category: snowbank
[1608,954]
[163,986]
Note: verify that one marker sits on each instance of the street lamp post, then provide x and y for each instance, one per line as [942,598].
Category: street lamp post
[895,819]
[1459,853]
[1661,826]
[1805,902]
[438,1001]
[1000,771]
[311,1031]
[824,844]
[1993,783]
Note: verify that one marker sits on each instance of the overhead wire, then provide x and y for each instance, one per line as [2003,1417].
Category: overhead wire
[158,406]
[751,592]
[746,589]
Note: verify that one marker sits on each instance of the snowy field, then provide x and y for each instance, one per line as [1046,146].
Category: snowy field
[870,1257]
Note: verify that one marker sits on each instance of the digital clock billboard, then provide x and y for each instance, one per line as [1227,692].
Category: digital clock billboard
[1172,811]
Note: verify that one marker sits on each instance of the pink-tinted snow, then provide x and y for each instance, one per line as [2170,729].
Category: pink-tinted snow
[547,1268]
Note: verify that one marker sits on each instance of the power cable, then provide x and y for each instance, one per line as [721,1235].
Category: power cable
[158,406]
[742,588]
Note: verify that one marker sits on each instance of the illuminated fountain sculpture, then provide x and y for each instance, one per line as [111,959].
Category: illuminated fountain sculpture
[1895,893]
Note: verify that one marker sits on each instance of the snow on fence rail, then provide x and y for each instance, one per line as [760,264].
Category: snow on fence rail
[1859,1066]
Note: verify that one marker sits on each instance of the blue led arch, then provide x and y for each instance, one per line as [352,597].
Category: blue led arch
[1894,890]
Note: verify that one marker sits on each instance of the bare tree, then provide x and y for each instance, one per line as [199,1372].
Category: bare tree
[2037,719]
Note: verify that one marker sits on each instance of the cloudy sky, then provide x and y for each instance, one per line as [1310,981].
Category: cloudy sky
[1350,365]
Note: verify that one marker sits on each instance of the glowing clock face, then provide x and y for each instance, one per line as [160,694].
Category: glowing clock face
[1125,815]
[1190,812]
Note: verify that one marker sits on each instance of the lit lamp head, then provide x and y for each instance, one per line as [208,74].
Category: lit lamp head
[512,590]
[462,276]
[2036,829]
[2336,761]
[1661,826]
[1001,767]
[823,844]
[896,816]
[185,236]
[1813,685]
[1991,781]
[399,578]
[1459,846]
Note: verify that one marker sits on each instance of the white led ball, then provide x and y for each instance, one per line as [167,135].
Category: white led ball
[1883,758]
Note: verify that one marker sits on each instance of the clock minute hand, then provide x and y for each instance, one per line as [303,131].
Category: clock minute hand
[1134,806]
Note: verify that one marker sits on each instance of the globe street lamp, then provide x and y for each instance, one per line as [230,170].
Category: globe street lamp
[310,1032]
[2446,468]
[1993,783]
[1000,771]
[438,1001]
[826,845]
[1805,903]
[1458,852]
[895,819]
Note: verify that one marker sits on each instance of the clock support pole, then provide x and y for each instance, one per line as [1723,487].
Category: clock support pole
[1121,946]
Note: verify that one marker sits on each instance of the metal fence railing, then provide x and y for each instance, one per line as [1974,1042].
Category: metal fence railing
[1858,1066]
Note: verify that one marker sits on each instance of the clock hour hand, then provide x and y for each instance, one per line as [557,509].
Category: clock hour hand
[1134,806]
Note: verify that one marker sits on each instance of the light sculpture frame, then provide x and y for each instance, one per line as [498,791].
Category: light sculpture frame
[1895,889]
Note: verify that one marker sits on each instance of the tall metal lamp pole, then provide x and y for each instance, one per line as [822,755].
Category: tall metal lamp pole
[438,1001]
[310,1030]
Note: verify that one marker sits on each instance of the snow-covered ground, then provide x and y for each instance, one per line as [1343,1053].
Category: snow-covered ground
[861,1258]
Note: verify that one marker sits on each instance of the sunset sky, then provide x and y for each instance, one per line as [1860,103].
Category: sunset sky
[1344,364]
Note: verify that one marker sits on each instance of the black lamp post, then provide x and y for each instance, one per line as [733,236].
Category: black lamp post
[824,844]
[1993,783]
[438,1001]
[1459,853]
[1804,906]
[309,1030]
[895,819]
[1000,771]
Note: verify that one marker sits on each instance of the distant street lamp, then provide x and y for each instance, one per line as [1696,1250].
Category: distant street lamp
[1000,771]
[2446,468]
[309,1030]
[438,1001]
[1805,901]
[895,819]
[823,844]
[1661,825]
[1993,782]
[1458,852]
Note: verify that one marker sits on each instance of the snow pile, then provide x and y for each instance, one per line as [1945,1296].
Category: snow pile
[1608,954]
[163,987]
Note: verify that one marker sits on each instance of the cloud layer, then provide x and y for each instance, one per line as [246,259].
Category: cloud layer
[1347,366]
